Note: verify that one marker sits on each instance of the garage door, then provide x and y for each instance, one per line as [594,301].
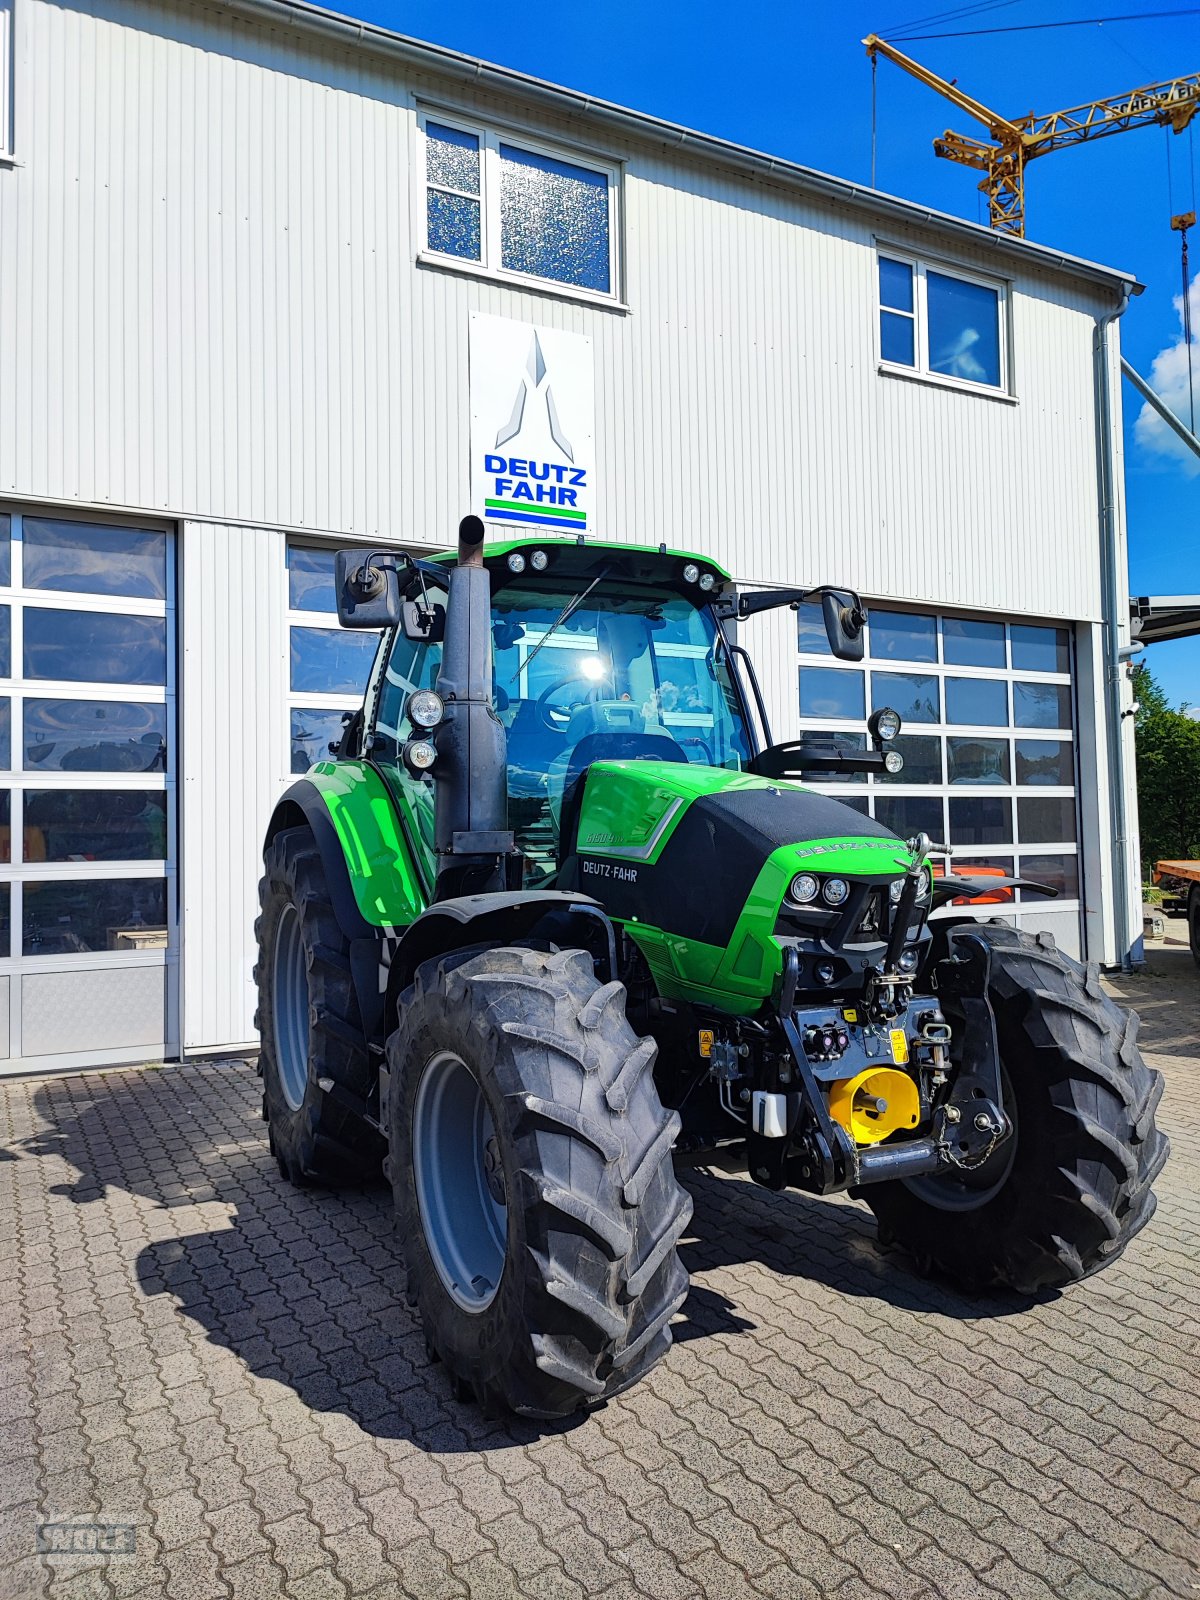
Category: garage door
[88,943]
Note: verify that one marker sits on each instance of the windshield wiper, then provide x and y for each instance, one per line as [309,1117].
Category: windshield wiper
[567,611]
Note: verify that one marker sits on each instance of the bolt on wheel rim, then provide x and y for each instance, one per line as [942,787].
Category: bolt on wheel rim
[289,990]
[460,1183]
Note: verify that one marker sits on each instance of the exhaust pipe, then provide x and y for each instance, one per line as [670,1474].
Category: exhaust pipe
[471,834]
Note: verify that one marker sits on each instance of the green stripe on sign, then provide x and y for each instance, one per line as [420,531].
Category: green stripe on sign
[536,509]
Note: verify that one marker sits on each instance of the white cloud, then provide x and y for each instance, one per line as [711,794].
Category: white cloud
[1169,378]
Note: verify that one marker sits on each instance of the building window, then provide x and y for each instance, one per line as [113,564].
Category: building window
[6,77]
[518,208]
[941,323]
[988,741]
[328,665]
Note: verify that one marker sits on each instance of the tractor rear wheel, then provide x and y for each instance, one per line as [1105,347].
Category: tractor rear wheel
[530,1160]
[1064,1195]
[308,1022]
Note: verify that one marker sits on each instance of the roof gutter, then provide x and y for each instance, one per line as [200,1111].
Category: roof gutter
[473,72]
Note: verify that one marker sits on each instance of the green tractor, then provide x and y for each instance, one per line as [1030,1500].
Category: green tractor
[558,913]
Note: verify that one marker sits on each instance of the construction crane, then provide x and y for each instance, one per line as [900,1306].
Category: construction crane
[1015,141]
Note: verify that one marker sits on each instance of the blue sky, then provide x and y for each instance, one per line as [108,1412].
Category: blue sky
[794,80]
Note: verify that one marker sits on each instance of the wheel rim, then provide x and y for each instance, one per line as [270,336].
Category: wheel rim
[460,1182]
[968,1191]
[289,990]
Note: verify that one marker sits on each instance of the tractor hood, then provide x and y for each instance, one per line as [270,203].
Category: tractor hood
[695,861]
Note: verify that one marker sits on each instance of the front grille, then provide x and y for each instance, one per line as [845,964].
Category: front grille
[872,922]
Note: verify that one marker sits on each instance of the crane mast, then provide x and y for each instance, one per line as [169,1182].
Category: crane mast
[1016,141]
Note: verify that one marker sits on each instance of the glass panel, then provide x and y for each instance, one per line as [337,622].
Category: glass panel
[311,579]
[5,733]
[895,284]
[977,760]
[813,639]
[1042,705]
[896,339]
[843,741]
[95,825]
[313,732]
[1058,872]
[5,824]
[93,559]
[5,563]
[856,802]
[331,660]
[88,647]
[1040,649]
[909,814]
[5,642]
[5,922]
[553,219]
[970,643]
[1049,761]
[984,866]
[964,329]
[73,916]
[982,701]
[829,692]
[922,760]
[897,636]
[451,158]
[1047,819]
[453,225]
[981,820]
[95,736]
[914,695]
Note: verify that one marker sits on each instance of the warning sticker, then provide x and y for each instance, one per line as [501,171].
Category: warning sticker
[849,1014]
[899,1047]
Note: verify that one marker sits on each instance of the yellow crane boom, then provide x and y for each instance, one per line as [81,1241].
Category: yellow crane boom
[1015,141]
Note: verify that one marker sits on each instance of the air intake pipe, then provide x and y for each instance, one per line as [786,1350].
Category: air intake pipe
[471,834]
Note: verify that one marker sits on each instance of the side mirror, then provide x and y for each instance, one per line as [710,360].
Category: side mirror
[421,624]
[368,589]
[843,624]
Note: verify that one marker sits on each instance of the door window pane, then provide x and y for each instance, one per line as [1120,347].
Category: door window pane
[5,922]
[984,866]
[970,643]
[896,339]
[5,559]
[922,760]
[1046,819]
[977,760]
[94,736]
[980,820]
[981,701]
[94,559]
[1058,872]
[914,695]
[856,802]
[553,219]
[1048,761]
[813,639]
[331,660]
[5,642]
[909,814]
[1042,705]
[964,329]
[311,579]
[1036,649]
[451,158]
[829,692]
[453,225]
[898,636]
[5,733]
[851,742]
[77,915]
[313,732]
[89,647]
[5,824]
[95,825]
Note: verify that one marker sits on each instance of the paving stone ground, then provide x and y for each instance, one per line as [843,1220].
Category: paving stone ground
[191,1347]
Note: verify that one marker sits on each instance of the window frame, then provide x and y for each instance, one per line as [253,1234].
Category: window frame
[921,369]
[491,136]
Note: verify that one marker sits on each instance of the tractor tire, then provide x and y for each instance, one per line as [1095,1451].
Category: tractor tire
[308,1022]
[1193,919]
[1063,1196]
[535,1196]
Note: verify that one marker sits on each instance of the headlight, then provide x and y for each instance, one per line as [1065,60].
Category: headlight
[419,755]
[895,890]
[884,724]
[691,573]
[908,961]
[516,561]
[803,888]
[893,761]
[923,891]
[826,972]
[539,561]
[707,581]
[425,708]
[835,891]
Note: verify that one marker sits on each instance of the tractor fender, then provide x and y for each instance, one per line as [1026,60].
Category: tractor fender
[303,805]
[570,920]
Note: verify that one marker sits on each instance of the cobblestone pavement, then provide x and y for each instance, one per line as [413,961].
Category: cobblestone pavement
[227,1364]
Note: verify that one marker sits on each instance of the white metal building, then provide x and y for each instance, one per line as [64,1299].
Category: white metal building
[241,250]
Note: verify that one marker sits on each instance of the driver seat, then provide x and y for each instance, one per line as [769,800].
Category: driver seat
[625,745]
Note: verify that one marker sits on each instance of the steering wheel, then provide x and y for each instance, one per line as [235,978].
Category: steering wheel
[709,760]
[557,718]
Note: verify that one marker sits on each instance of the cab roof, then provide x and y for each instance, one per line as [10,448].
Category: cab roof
[588,558]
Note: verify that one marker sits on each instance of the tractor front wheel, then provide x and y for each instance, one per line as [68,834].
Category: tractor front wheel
[530,1160]
[1065,1193]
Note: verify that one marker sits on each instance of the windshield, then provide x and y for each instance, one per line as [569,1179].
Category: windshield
[627,675]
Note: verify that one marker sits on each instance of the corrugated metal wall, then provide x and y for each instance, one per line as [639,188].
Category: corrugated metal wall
[234,758]
[210,307]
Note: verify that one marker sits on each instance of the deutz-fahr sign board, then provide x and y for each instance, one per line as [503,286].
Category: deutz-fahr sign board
[532,425]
